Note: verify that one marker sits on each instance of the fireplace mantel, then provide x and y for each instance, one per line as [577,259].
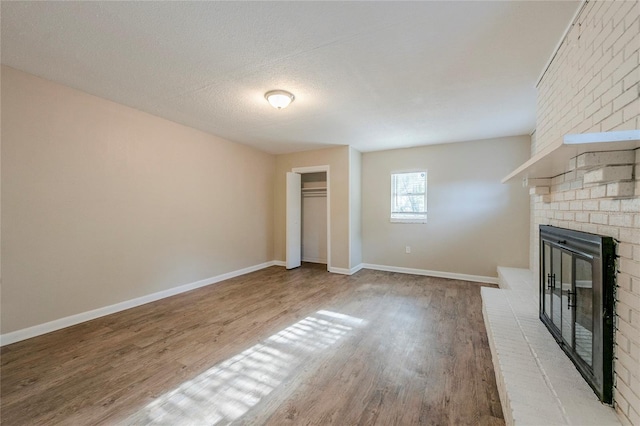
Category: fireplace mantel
[554,159]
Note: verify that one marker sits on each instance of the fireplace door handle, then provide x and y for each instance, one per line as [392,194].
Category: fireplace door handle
[569,305]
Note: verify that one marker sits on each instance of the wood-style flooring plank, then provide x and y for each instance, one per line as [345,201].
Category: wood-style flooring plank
[272,347]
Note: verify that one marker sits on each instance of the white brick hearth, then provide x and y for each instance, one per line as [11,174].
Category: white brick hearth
[537,382]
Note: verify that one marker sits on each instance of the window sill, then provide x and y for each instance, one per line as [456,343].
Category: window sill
[408,220]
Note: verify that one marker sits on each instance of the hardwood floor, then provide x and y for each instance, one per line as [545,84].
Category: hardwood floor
[277,347]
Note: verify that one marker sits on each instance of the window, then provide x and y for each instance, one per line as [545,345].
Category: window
[409,197]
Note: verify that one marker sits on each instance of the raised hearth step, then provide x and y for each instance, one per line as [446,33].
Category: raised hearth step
[537,383]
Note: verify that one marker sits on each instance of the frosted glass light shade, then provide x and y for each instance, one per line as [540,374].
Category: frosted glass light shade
[279,98]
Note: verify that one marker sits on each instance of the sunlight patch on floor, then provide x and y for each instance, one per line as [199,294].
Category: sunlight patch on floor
[228,390]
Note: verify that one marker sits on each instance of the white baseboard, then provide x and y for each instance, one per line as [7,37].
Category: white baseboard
[48,327]
[314,260]
[356,268]
[343,271]
[426,272]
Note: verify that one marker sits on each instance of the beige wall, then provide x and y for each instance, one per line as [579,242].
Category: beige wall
[475,223]
[103,203]
[593,85]
[338,161]
[355,207]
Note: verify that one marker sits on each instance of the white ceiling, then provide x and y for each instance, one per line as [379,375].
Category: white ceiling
[374,75]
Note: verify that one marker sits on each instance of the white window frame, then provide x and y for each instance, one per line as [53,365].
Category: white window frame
[420,217]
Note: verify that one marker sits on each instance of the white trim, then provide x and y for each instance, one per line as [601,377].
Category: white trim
[554,52]
[349,195]
[48,327]
[356,268]
[343,271]
[315,169]
[439,274]
[311,169]
[314,260]
[394,220]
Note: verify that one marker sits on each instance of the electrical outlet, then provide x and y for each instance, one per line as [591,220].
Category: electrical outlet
[407,249]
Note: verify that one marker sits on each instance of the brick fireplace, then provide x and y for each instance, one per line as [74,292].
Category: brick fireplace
[583,175]
[591,85]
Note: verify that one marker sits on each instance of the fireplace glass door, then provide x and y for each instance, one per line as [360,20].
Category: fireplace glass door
[568,299]
[577,300]
[584,310]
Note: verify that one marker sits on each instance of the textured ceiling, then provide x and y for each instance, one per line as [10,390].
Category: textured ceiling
[374,75]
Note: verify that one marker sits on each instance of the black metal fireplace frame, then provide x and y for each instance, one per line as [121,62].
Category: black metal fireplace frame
[600,250]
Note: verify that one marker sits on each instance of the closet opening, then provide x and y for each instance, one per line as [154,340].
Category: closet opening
[314,217]
[308,221]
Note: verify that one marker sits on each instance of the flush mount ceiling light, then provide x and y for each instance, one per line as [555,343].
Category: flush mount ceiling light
[279,98]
